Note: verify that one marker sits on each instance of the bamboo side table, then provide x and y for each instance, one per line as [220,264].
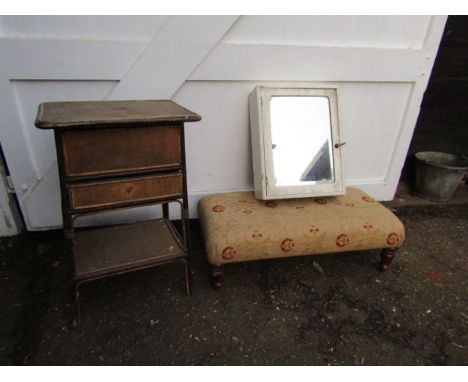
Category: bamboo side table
[114,155]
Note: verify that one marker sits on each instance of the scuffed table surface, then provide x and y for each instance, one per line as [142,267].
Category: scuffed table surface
[53,115]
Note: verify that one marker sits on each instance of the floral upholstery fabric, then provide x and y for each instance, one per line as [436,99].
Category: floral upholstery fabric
[237,227]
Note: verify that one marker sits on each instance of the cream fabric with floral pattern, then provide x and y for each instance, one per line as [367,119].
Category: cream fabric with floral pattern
[237,227]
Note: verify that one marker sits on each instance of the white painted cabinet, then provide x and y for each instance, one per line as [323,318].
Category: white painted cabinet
[296,147]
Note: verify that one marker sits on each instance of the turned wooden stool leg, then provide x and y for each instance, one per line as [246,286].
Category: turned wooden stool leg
[387,255]
[217,275]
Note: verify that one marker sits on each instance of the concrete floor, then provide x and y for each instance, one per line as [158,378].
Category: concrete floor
[282,312]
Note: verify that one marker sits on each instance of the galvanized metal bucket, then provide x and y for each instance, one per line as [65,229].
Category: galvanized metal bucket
[438,174]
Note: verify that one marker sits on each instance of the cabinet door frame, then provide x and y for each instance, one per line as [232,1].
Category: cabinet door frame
[265,187]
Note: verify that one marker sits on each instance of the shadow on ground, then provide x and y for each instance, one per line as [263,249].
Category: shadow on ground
[282,312]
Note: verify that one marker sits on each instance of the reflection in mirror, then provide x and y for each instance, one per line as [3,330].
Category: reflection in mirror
[301,140]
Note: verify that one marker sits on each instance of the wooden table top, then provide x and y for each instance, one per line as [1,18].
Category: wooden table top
[56,115]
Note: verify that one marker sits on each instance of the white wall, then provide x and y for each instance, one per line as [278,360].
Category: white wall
[210,65]
[82,27]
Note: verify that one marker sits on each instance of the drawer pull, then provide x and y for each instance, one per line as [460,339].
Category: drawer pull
[129,189]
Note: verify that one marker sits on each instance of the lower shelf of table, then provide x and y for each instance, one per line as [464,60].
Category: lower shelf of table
[100,252]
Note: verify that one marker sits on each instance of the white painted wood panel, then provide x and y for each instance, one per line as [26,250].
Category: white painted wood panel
[83,27]
[370,114]
[38,59]
[172,55]
[234,62]
[407,32]
[380,63]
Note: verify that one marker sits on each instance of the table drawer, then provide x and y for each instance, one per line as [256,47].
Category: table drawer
[100,152]
[120,192]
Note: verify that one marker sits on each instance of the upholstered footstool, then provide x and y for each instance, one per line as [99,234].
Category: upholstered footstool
[237,227]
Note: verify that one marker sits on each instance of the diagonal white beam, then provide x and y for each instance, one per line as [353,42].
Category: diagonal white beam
[175,52]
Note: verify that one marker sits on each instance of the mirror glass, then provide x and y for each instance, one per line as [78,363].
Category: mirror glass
[301,140]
